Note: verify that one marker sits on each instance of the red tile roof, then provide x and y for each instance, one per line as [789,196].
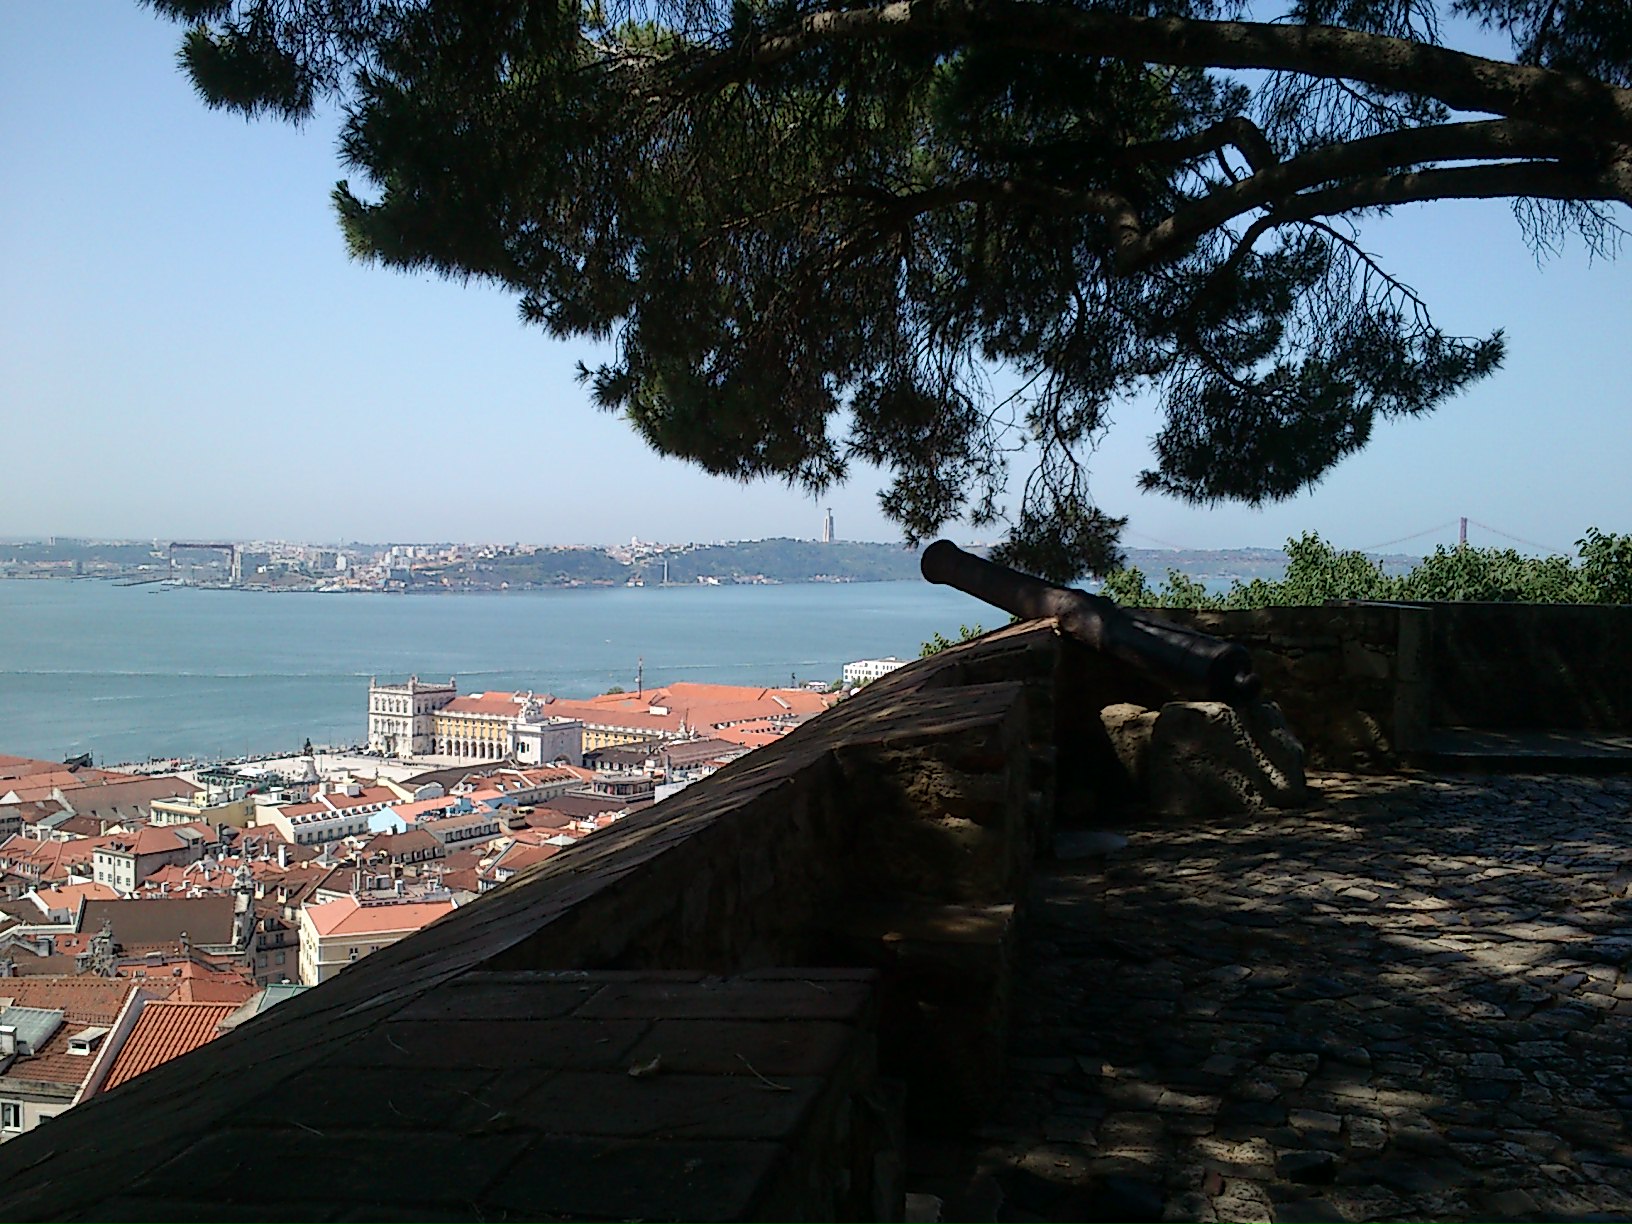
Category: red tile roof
[85,1002]
[464,878]
[44,861]
[143,841]
[347,917]
[68,896]
[503,704]
[695,705]
[753,734]
[411,812]
[26,767]
[401,845]
[326,805]
[90,800]
[164,1031]
[521,856]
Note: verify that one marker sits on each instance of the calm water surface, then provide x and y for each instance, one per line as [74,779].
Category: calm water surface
[129,673]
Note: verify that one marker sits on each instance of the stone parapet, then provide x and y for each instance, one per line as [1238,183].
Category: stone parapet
[520,1096]
[1351,679]
[1365,685]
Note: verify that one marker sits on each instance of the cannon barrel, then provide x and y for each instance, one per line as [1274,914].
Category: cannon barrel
[1196,664]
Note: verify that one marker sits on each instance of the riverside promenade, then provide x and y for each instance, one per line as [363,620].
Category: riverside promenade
[1410,1001]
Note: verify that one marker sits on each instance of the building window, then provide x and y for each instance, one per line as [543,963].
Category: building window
[280,958]
[11,1115]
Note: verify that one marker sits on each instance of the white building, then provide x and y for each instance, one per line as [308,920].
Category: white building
[538,739]
[123,861]
[400,716]
[332,814]
[463,829]
[340,933]
[864,671]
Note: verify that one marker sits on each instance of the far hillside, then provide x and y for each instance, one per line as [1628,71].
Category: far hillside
[785,561]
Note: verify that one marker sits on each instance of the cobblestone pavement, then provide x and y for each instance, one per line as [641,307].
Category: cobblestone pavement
[1411,1001]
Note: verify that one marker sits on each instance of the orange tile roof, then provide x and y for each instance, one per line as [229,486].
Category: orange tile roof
[146,840]
[45,860]
[68,896]
[521,856]
[632,718]
[753,734]
[695,705]
[35,809]
[23,767]
[504,704]
[538,835]
[173,877]
[163,1031]
[342,802]
[220,988]
[85,1002]
[461,859]
[557,773]
[135,790]
[347,917]
[36,787]
[410,812]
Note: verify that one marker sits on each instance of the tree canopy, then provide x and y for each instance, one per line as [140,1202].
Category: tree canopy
[1317,572]
[812,229]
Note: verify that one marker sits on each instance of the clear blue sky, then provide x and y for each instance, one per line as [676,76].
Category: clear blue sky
[185,350]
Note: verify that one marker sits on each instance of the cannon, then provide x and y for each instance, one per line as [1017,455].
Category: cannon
[1197,665]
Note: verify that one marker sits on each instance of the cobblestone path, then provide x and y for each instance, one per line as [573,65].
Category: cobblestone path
[1411,1001]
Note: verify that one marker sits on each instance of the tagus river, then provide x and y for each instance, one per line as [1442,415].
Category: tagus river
[129,673]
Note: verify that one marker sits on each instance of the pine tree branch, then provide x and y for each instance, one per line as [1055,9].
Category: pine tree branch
[1276,184]
[1458,79]
[1533,180]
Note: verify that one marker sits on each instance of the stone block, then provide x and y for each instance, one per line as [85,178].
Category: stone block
[1129,728]
[1366,663]
[945,995]
[1206,757]
[939,795]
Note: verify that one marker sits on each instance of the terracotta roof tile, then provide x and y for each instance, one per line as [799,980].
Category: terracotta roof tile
[85,1002]
[347,917]
[164,1031]
[521,856]
[504,704]
[339,803]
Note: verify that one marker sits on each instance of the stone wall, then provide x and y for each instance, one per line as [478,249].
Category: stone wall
[1499,666]
[1362,683]
[1352,679]
[895,832]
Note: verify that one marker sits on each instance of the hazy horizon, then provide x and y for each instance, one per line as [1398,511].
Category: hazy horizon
[186,350]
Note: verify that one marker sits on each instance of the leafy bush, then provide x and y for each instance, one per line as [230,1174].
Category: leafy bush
[940,642]
[1317,572]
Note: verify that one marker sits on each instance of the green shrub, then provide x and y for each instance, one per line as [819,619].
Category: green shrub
[1317,572]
